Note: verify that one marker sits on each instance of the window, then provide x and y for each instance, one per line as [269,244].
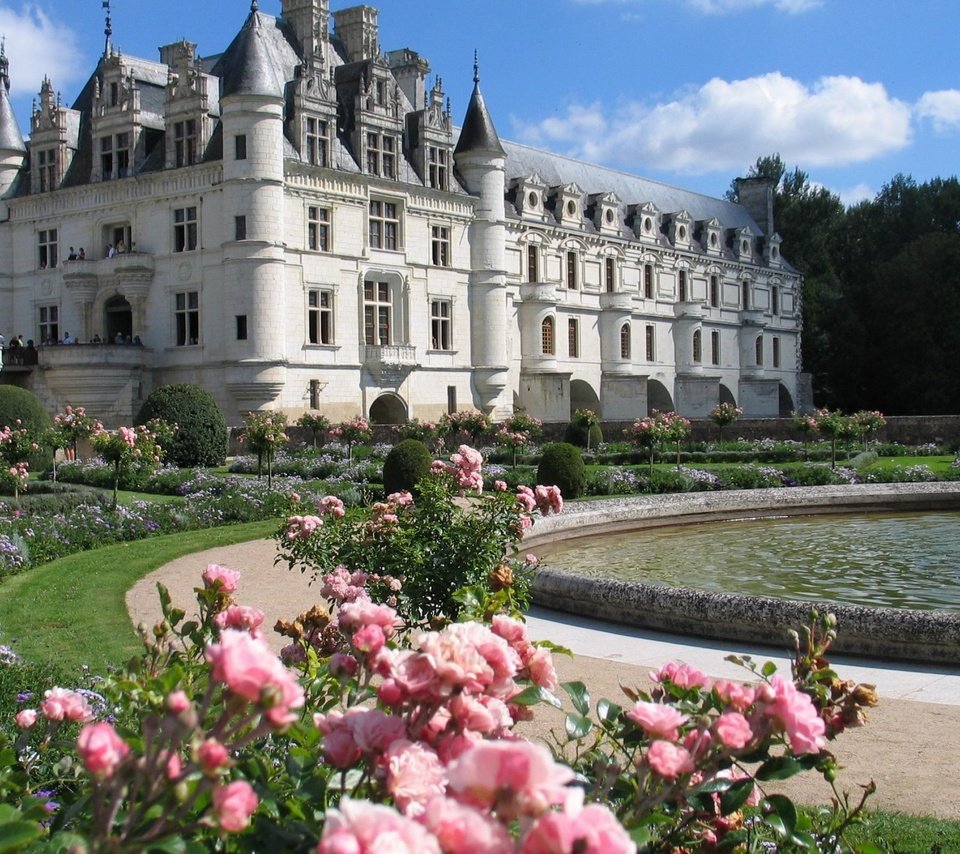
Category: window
[533,266]
[319,316]
[776,352]
[440,329]
[114,94]
[185,142]
[546,337]
[47,164]
[49,324]
[610,273]
[745,295]
[648,281]
[241,327]
[682,285]
[377,313]
[381,155]
[451,399]
[239,228]
[775,301]
[185,229]
[114,156]
[572,270]
[47,247]
[315,142]
[573,338]
[437,168]
[384,225]
[187,315]
[759,349]
[697,347]
[650,343]
[715,348]
[714,291]
[240,146]
[318,229]
[440,246]
[625,342]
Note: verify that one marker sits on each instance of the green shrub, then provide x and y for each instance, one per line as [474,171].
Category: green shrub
[201,436]
[561,465]
[18,403]
[815,475]
[576,434]
[407,463]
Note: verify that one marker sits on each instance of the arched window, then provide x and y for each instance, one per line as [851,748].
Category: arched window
[546,337]
[697,347]
[625,341]
[759,351]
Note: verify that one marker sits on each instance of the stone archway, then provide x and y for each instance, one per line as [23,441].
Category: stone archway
[117,319]
[658,398]
[726,396]
[388,409]
[582,396]
[787,406]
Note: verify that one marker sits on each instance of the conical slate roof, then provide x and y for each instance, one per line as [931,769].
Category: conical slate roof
[478,135]
[10,137]
[251,65]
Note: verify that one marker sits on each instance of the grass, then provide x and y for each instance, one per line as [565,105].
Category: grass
[896,833]
[73,610]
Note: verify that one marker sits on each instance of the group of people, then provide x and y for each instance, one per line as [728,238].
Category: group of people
[20,353]
[112,250]
[77,256]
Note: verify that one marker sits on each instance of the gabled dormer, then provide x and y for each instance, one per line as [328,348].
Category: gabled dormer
[567,203]
[711,236]
[604,210]
[430,135]
[191,108]
[54,136]
[646,222]
[530,195]
[771,250]
[312,124]
[680,231]
[741,242]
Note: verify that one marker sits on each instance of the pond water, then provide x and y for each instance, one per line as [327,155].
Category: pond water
[897,560]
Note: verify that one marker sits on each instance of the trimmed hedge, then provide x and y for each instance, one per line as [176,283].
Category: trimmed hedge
[407,463]
[201,436]
[562,465]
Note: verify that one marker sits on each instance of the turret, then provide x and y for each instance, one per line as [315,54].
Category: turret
[13,152]
[481,161]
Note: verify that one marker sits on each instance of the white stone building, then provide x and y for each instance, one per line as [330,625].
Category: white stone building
[297,224]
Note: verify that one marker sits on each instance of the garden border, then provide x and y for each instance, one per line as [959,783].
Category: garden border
[891,633]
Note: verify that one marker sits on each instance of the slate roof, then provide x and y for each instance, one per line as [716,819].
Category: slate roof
[478,133]
[10,137]
[259,61]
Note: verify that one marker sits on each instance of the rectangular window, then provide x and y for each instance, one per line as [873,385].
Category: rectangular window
[240,146]
[318,229]
[377,313]
[381,155]
[714,291]
[698,347]
[533,267]
[682,286]
[49,324]
[187,318]
[437,168]
[745,295]
[123,154]
[106,158]
[239,228]
[47,248]
[776,352]
[389,157]
[648,281]
[759,348]
[315,142]
[241,327]
[650,343]
[319,316]
[440,246]
[775,301]
[185,229]
[47,164]
[384,225]
[610,274]
[572,270]
[451,399]
[114,94]
[546,336]
[440,325]
[715,348]
[185,142]
[573,339]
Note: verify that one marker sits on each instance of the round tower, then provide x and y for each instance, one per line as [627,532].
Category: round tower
[13,152]
[252,107]
[481,162]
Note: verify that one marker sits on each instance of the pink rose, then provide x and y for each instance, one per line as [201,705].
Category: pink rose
[414,775]
[61,704]
[682,675]
[733,730]
[177,702]
[461,828]
[226,578]
[101,749]
[737,694]
[241,617]
[27,718]
[370,639]
[233,805]
[795,712]
[542,671]
[669,760]
[657,719]
[592,829]
[360,827]
[212,755]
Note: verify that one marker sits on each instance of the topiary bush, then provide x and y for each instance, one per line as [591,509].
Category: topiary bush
[405,465]
[201,435]
[577,432]
[562,465]
[18,403]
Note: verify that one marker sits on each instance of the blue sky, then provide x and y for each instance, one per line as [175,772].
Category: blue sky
[685,91]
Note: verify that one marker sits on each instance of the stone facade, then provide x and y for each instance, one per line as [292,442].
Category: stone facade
[297,224]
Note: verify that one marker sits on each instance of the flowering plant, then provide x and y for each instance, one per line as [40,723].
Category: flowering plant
[469,422]
[866,424]
[16,447]
[724,414]
[659,428]
[353,432]
[835,426]
[422,431]
[264,432]
[126,448]
[315,423]
[72,426]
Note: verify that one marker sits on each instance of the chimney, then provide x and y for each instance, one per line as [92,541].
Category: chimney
[756,195]
[357,29]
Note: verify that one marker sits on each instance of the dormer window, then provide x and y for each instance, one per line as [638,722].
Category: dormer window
[713,240]
[571,208]
[114,156]
[185,142]
[381,155]
[533,200]
[609,216]
[114,94]
[682,232]
[381,89]
[745,246]
[47,165]
[438,168]
[315,142]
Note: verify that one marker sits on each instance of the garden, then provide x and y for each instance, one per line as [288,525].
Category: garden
[389,721]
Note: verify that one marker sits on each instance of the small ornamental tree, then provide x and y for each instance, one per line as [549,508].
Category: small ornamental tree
[356,431]
[659,428]
[422,431]
[676,428]
[316,423]
[17,445]
[724,414]
[835,426]
[806,426]
[72,426]
[263,433]
[584,429]
[468,422]
[128,448]
[866,424]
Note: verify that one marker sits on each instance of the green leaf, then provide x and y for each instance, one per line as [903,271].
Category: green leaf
[779,768]
[608,712]
[579,696]
[15,835]
[768,669]
[869,848]
[578,726]
[781,815]
[736,796]
[535,694]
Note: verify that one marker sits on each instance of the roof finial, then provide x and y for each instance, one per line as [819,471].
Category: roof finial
[476,68]
[107,30]
[254,6]
[4,63]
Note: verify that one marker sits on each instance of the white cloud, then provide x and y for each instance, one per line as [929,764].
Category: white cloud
[942,108]
[726,124]
[856,194]
[723,7]
[36,45]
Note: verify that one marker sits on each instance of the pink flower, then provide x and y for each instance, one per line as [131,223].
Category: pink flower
[233,805]
[682,675]
[61,704]
[360,827]
[542,671]
[737,694]
[414,775]
[526,499]
[500,485]
[27,718]
[470,656]
[549,499]
[657,719]
[101,749]
[369,640]
[128,435]
[241,617]
[226,578]
[331,506]
[461,829]
[302,527]
[174,766]
[592,829]
[511,777]
[212,755]
[798,716]
[356,615]
[733,730]
[177,702]
[668,760]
